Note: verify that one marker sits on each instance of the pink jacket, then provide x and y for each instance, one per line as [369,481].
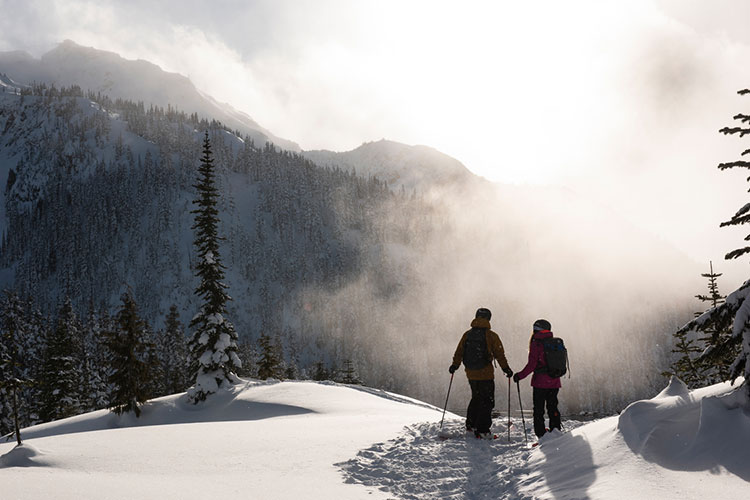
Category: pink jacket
[536,360]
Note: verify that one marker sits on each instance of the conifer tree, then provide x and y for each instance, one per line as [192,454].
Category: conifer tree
[742,216]
[173,352]
[129,354]
[735,310]
[714,297]
[213,346]
[321,372]
[741,364]
[60,396]
[719,348]
[34,346]
[12,363]
[349,373]
[269,362]
[95,362]
[686,367]
[155,384]
[249,357]
[291,371]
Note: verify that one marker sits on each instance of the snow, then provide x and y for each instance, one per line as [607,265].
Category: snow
[328,441]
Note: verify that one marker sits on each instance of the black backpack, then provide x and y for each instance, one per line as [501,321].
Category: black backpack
[476,353]
[556,357]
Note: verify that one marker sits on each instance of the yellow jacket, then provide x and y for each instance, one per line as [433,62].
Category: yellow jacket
[493,345]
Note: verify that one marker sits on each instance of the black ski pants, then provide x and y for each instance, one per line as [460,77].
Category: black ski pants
[479,413]
[548,398]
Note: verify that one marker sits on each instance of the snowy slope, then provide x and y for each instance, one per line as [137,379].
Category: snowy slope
[106,72]
[262,440]
[315,441]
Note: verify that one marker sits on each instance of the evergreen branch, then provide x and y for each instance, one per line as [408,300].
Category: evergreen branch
[743,91]
[745,152]
[735,130]
[737,253]
[736,221]
[740,163]
[742,118]
[742,211]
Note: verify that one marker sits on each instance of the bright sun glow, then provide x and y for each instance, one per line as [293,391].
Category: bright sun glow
[474,77]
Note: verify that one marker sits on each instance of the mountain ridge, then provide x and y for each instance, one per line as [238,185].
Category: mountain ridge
[140,80]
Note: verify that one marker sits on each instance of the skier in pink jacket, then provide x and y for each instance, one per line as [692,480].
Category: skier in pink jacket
[545,387]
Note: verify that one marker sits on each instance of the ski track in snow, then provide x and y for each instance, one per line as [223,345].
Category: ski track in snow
[418,465]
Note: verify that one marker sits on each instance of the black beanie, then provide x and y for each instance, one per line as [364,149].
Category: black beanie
[483,312]
[542,324]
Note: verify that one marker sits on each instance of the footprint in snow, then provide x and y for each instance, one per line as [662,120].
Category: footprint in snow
[418,465]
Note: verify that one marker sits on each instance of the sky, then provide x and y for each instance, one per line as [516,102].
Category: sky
[620,101]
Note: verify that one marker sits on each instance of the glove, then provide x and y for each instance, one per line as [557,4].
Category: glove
[515,378]
[508,372]
[452,369]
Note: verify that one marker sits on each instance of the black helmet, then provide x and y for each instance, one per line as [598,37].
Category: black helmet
[483,312]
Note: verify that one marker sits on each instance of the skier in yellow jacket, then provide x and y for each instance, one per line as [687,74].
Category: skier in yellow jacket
[477,349]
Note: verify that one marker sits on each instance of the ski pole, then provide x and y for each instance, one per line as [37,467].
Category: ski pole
[520,405]
[509,409]
[446,402]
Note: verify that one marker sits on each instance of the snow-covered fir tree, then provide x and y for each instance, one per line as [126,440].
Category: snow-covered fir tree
[60,391]
[129,348]
[214,343]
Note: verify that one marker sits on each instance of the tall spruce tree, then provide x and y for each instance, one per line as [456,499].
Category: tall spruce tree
[213,346]
[129,356]
[60,392]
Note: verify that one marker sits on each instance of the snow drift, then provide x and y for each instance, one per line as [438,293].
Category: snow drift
[707,429]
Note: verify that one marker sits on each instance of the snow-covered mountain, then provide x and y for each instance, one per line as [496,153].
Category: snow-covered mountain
[315,441]
[106,72]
